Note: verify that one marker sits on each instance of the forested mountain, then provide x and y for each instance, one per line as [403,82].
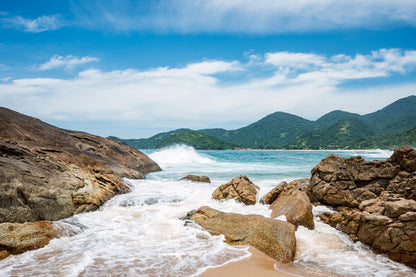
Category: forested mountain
[273,131]
[392,126]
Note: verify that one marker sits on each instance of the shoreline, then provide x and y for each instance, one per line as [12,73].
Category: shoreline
[257,264]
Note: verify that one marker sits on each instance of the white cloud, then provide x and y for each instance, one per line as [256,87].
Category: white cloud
[40,24]
[198,95]
[295,60]
[67,62]
[247,16]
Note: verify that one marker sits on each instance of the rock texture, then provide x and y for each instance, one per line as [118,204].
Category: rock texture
[375,200]
[274,237]
[291,200]
[16,238]
[47,173]
[196,178]
[240,188]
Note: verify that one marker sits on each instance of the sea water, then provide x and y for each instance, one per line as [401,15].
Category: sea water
[141,234]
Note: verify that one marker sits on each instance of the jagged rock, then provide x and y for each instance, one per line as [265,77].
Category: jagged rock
[292,201]
[47,173]
[196,178]
[240,188]
[380,196]
[274,237]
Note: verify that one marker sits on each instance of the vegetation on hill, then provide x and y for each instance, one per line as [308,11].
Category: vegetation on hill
[390,127]
[192,138]
[344,133]
[273,131]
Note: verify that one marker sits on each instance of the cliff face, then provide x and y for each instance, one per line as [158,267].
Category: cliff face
[47,173]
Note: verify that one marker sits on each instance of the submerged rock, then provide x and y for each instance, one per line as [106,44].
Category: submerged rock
[375,200]
[291,201]
[240,188]
[274,237]
[47,173]
[196,178]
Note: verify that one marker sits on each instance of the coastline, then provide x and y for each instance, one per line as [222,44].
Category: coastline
[257,264]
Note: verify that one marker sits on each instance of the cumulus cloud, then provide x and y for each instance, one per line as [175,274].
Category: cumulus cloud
[246,16]
[198,94]
[37,25]
[67,62]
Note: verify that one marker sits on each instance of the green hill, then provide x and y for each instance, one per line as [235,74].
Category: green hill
[333,117]
[393,118]
[342,134]
[273,131]
[392,126]
[192,138]
[197,140]
[152,142]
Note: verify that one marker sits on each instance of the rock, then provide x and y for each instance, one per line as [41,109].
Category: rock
[47,173]
[397,208]
[380,200]
[291,201]
[240,188]
[274,237]
[16,238]
[195,178]
[405,157]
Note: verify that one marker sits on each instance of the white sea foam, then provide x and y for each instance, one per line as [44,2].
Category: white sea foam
[373,154]
[179,154]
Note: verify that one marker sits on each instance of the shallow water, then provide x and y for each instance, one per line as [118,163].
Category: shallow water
[140,233]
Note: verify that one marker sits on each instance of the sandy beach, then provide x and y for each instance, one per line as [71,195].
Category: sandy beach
[258,264]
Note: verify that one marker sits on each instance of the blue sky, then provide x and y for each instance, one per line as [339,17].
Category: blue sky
[136,68]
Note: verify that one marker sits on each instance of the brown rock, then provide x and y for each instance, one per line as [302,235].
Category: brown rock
[291,201]
[240,188]
[274,237]
[16,238]
[47,173]
[195,178]
[405,156]
[384,193]
[397,208]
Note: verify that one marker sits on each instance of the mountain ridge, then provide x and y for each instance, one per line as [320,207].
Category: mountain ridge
[280,130]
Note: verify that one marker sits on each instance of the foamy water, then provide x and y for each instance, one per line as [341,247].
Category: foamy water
[141,234]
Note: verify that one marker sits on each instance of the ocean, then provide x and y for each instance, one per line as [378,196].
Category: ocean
[141,234]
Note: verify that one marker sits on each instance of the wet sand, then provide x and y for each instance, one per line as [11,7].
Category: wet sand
[258,264]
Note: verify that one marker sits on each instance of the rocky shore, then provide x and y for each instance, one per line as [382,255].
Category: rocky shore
[374,202]
[47,174]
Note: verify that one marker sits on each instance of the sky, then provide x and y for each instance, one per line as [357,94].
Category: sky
[133,69]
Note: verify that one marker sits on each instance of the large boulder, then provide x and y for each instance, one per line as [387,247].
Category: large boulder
[16,238]
[375,201]
[240,188]
[47,173]
[274,237]
[196,178]
[291,200]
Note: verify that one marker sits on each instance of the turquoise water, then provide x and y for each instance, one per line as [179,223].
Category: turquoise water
[141,234]
[258,165]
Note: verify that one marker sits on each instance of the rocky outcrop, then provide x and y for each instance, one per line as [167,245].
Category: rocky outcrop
[375,201]
[47,173]
[196,178]
[274,237]
[240,188]
[16,238]
[291,200]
